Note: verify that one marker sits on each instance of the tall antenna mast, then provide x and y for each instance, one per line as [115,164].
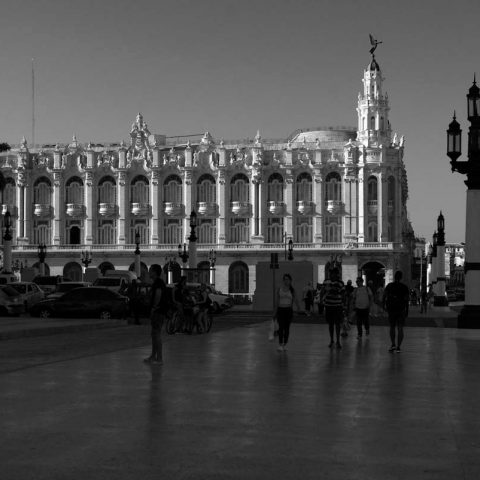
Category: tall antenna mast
[33,104]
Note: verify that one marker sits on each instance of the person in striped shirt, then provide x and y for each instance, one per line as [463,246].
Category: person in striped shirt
[334,302]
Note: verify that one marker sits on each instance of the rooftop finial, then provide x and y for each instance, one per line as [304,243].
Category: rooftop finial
[474,78]
[374,44]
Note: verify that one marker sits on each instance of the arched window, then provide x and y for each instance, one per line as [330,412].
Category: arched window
[333,232]
[372,90]
[143,230]
[41,232]
[207,231]
[304,187]
[238,278]
[139,190]
[42,191]
[106,233]
[239,231]
[74,190]
[107,190]
[73,271]
[74,235]
[239,188]
[333,187]
[364,123]
[104,266]
[372,234]
[372,189]
[372,123]
[275,230]
[275,188]
[206,191]
[303,230]
[172,189]
[391,189]
[172,231]
[9,193]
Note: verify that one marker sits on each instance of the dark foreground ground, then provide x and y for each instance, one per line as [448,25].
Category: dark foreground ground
[228,406]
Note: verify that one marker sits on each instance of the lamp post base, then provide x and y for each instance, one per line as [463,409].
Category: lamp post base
[469,317]
[440,301]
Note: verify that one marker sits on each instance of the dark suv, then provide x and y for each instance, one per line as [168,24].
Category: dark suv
[83,302]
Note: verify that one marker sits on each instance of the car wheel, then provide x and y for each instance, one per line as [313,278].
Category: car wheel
[105,315]
[45,313]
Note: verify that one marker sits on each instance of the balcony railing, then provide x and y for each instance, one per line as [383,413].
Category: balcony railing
[12,209]
[140,209]
[42,210]
[372,207]
[276,208]
[107,209]
[305,207]
[207,208]
[241,208]
[75,210]
[334,207]
[173,209]
[337,246]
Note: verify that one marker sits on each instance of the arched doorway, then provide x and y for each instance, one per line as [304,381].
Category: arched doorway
[375,272]
[238,278]
[73,271]
[75,235]
[143,271]
[104,266]
[47,268]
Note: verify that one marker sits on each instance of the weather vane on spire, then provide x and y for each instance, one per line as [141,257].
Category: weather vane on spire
[374,44]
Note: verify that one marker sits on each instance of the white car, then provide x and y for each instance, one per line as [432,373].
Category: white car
[30,293]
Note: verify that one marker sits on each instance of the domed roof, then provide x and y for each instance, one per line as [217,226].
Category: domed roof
[373,66]
[327,137]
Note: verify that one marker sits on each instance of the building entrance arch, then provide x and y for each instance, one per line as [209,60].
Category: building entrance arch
[73,271]
[374,271]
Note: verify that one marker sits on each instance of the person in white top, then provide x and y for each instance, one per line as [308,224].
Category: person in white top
[362,301]
[286,297]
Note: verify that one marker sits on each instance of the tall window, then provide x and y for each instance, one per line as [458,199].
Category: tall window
[303,230]
[333,187]
[106,232]
[275,230]
[239,230]
[238,278]
[206,191]
[207,231]
[143,230]
[372,189]
[42,191]
[275,188]
[107,191]
[9,193]
[41,232]
[239,188]
[172,231]
[139,190]
[172,189]
[333,231]
[304,187]
[372,234]
[74,190]
[382,123]
[372,123]
[391,209]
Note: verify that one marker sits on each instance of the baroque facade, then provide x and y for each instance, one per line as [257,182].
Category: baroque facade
[337,192]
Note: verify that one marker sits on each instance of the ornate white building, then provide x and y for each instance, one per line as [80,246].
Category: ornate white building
[334,191]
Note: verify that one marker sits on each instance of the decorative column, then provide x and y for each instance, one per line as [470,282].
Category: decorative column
[89,199]
[20,194]
[384,203]
[221,202]
[440,299]
[7,243]
[289,212]
[187,196]
[123,197]
[319,206]
[155,203]
[58,204]
[361,204]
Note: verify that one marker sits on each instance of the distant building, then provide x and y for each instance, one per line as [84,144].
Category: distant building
[339,193]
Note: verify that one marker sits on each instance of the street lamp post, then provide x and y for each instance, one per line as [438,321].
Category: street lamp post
[86,260]
[138,269]
[212,258]
[288,247]
[469,317]
[192,241]
[434,263]
[42,253]
[7,243]
[168,263]
[183,254]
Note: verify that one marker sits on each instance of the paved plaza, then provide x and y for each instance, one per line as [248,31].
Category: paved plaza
[229,406]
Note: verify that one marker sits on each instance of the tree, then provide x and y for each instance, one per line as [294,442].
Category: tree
[4,147]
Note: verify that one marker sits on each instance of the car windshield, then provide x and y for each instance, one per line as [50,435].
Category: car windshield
[19,288]
[11,292]
[46,280]
[107,282]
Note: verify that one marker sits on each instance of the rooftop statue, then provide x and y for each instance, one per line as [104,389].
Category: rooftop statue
[374,44]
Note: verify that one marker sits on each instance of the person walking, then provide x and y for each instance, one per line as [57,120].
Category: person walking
[158,309]
[318,298]
[334,302]
[395,301]
[424,301]
[362,302]
[308,297]
[134,301]
[286,297]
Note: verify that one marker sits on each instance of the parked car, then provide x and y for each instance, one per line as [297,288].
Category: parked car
[30,293]
[83,302]
[65,287]
[8,278]
[10,302]
[49,283]
[115,284]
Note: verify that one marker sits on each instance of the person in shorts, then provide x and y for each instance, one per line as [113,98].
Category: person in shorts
[158,309]
[396,298]
[334,302]
[362,300]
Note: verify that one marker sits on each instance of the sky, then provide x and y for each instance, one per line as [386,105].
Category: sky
[235,66]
